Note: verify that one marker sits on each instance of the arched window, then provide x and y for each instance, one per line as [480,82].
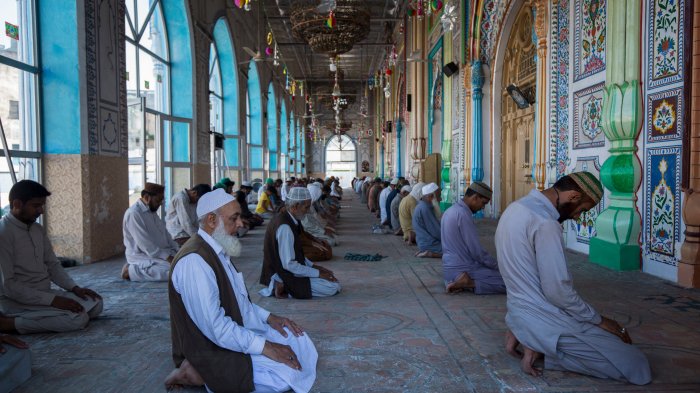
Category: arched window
[341,159]
[272,132]
[292,145]
[19,103]
[284,136]
[159,123]
[254,124]
[223,100]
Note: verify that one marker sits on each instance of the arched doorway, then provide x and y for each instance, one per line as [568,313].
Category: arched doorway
[518,123]
[341,159]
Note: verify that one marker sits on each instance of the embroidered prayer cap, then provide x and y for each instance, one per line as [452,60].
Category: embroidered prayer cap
[588,184]
[299,194]
[394,181]
[429,189]
[211,201]
[482,189]
[417,190]
[314,191]
[154,188]
[406,189]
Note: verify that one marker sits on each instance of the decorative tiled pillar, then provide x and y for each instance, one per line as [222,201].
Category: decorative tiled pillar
[399,164]
[616,244]
[467,126]
[689,264]
[477,124]
[541,117]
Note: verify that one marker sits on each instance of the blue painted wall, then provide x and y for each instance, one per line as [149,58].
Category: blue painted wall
[60,76]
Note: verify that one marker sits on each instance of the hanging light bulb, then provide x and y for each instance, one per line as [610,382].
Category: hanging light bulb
[336,90]
[333,67]
[247,6]
[387,91]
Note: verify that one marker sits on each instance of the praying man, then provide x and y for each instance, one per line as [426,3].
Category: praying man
[427,225]
[149,247]
[545,313]
[28,266]
[465,263]
[220,339]
[181,217]
[285,270]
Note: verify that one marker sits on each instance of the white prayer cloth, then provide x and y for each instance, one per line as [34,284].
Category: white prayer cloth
[545,312]
[196,283]
[148,244]
[181,217]
[382,204]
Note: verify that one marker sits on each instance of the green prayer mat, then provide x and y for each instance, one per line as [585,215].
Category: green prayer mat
[363,257]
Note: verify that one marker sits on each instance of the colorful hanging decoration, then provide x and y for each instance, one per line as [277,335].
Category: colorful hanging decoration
[239,3]
[449,17]
[330,22]
[268,51]
[276,57]
[435,5]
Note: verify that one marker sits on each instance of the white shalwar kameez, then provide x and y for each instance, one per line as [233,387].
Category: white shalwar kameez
[195,281]
[148,244]
[181,216]
[383,214]
[545,313]
[320,287]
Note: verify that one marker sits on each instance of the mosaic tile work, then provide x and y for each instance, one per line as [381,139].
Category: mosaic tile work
[562,83]
[663,199]
[494,11]
[588,111]
[665,116]
[585,225]
[589,38]
[665,41]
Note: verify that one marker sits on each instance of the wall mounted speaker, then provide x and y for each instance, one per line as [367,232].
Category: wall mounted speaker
[408,102]
[389,127]
[218,141]
[450,68]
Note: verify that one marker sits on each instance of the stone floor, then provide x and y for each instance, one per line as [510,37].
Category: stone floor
[392,329]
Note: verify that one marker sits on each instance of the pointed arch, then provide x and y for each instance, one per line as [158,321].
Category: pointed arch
[272,129]
[255,123]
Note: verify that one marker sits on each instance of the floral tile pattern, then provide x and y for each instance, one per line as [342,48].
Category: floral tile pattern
[663,199]
[494,11]
[665,42]
[560,99]
[588,110]
[665,116]
[589,38]
[585,225]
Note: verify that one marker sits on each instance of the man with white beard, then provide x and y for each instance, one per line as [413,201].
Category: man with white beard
[220,338]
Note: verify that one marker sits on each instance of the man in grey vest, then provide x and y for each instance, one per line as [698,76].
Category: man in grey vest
[220,338]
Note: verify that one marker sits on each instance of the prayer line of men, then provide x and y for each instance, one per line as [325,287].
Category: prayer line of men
[546,317]
[213,318]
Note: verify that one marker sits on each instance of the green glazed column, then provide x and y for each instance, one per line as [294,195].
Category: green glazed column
[616,244]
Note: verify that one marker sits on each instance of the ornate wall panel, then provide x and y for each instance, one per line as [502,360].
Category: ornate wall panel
[665,41]
[589,38]
[106,89]
[588,109]
[584,227]
[561,80]
[663,200]
[491,20]
[664,120]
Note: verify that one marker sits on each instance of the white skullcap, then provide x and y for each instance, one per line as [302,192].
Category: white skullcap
[416,190]
[245,184]
[406,189]
[297,194]
[211,201]
[394,181]
[315,192]
[429,189]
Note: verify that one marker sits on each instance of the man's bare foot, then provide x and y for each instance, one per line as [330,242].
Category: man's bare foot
[528,361]
[512,345]
[125,271]
[280,293]
[186,375]
[428,254]
[462,283]
[7,325]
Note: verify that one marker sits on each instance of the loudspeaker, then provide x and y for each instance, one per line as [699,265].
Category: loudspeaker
[408,102]
[218,141]
[389,126]
[450,68]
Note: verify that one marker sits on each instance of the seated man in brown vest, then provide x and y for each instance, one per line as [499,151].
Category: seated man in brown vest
[285,269]
[220,338]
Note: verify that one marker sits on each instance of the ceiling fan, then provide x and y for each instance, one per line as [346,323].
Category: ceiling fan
[256,55]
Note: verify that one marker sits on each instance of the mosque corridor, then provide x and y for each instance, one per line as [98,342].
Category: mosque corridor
[392,329]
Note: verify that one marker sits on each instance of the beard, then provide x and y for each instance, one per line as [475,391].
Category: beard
[230,244]
[566,211]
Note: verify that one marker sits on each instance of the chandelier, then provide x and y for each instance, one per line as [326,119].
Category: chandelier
[351,19]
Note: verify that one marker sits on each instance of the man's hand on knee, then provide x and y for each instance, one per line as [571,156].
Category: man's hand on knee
[65,303]
[282,354]
[613,327]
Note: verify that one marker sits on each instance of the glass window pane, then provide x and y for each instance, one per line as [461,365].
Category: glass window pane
[215,114]
[18,41]
[176,179]
[136,142]
[154,37]
[214,71]
[273,161]
[131,75]
[18,108]
[231,147]
[176,141]
[25,169]
[130,11]
[135,179]
[256,157]
[153,82]
[151,132]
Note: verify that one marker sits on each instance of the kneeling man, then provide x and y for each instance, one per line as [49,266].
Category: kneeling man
[465,264]
[220,338]
[427,225]
[28,266]
[285,269]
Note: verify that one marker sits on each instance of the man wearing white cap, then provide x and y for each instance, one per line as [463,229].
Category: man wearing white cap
[383,196]
[426,224]
[315,225]
[285,269]
[465,263]
[394,209]
[220,339]
[406,209]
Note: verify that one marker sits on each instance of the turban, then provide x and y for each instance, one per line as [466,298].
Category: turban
[406,189]
[482,189]
[211,201]
[153,188]
[429,189]
[298,194]
[588,184]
